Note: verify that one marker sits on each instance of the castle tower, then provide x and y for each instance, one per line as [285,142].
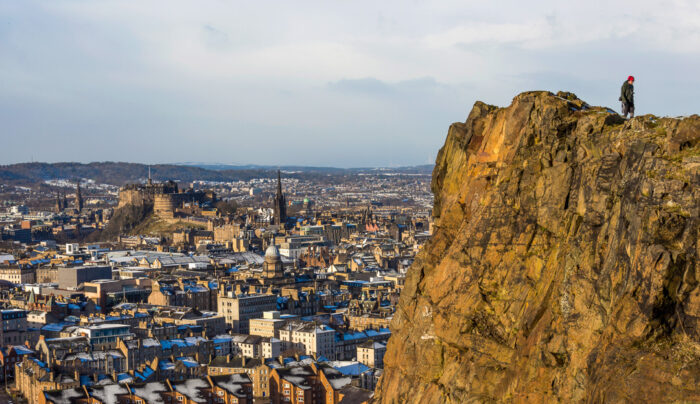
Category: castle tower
[280,205]
[78,198]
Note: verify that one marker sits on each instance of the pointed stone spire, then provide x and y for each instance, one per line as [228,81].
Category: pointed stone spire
[280,205]
[279,183]
[78,197]
[57,206]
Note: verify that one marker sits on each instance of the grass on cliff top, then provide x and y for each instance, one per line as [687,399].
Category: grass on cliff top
[153,225]
[684,154]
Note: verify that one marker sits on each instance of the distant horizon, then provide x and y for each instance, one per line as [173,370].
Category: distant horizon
[205,165]
[329,84]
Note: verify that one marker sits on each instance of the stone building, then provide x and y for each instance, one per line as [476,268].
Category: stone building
[51,349]
[165,197]
[14,326]
[307,384]
[227,232]
[311,338]
[11,355]
[272,267]
[183,293]
[139,194]
[239,309]
[46,274]
[17,275]
[267,326]
[255,368]
[371,353]
[33,377]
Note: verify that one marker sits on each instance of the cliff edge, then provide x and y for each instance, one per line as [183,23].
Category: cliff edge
[563,265]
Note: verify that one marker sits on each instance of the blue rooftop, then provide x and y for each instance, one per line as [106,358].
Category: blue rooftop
[352,369]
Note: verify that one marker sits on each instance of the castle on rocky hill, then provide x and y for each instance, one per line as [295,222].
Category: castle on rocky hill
[165,197]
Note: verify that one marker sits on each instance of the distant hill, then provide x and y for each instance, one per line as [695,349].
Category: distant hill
[420,169]
[116,173]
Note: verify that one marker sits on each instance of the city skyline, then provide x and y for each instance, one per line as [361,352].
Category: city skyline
[361,85]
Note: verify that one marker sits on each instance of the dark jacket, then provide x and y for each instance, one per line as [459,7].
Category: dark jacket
[627,93]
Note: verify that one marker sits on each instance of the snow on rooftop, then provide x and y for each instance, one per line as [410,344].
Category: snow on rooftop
[191,389]
[151,392]
[340,382]
[108,393]
[234,384]
[298,381]
[149,342]
[194,340]
[64,396]
[305,361]
[22,350]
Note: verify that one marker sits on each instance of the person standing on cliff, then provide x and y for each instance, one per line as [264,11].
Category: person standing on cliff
[627,97]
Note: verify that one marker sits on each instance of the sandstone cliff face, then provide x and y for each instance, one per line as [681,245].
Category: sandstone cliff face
[564,265]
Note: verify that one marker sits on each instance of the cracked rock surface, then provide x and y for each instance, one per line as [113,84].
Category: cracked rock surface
[563,265]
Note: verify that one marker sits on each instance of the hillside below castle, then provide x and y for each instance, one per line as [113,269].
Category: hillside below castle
[564,264]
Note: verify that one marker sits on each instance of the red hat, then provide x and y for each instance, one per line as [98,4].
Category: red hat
[630,78]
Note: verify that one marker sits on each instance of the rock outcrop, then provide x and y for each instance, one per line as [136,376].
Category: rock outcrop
[564,263]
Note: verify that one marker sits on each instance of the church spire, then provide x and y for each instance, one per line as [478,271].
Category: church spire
[279,183]
[78,197]
[280,205]
[57,205]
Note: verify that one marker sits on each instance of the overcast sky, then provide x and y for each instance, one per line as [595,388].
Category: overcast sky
[332,83]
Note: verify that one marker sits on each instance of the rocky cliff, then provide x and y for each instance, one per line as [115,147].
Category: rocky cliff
[564,264]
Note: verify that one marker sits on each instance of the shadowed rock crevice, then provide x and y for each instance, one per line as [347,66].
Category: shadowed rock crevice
[563,266]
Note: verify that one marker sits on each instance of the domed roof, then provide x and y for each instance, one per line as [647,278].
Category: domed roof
[272,252]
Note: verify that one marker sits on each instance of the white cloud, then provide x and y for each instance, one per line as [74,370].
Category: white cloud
[317,72]
[479,32]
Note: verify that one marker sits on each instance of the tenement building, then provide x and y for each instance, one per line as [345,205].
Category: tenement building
[14,326]
[239,309]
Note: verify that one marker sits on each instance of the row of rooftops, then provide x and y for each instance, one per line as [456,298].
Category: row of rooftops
[302,371]
[107,392]
[77,343]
